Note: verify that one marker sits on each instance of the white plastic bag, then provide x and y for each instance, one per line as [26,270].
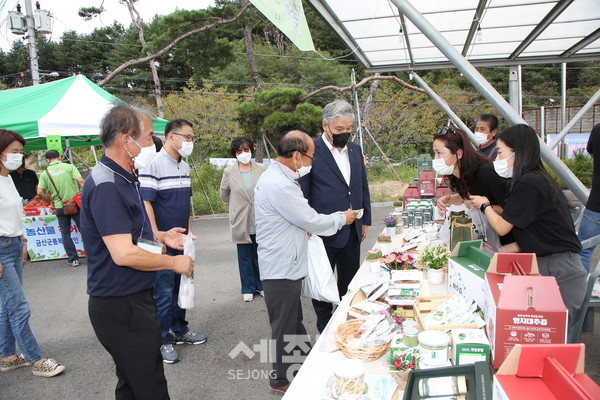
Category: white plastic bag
[320,283]
[185,299]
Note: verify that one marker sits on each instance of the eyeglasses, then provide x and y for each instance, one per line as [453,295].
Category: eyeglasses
[244,150]
[189,138]
[306,155]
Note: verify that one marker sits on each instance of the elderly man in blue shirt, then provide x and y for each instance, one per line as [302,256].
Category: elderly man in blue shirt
[283,221]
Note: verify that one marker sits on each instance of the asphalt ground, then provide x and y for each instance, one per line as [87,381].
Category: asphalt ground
[57,295]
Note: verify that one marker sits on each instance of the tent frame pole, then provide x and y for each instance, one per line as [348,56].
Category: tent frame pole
[488,91]
[590,103]
[442,103]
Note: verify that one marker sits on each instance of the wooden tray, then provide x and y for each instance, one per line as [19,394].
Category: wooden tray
[425,304]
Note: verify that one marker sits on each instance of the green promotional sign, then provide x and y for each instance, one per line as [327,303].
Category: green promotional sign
[288,16]
[53,142]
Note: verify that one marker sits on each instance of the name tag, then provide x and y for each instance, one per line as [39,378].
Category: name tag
[149,245]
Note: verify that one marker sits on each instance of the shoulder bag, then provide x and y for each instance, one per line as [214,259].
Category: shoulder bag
[69,206]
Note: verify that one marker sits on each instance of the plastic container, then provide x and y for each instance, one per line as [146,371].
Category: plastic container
[434,347]
[409,323]
[349,377]
[409,336]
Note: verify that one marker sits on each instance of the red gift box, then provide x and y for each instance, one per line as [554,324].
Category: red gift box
[546,372]
[526,308]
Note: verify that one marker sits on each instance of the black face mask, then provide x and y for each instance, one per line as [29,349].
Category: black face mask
[340,139]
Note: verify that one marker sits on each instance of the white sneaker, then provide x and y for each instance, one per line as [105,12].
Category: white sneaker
[248,297]
[261,292]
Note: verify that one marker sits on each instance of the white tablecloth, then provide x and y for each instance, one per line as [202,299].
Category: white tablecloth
[312,378]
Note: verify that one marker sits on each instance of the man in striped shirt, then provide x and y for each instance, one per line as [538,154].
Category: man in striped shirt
[166,191]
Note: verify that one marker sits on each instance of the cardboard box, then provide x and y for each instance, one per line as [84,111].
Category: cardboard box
[545,372]
[466,270]
[469,346]
[478,375]
[521,309]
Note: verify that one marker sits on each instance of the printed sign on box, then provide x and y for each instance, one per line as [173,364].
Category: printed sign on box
[44,240]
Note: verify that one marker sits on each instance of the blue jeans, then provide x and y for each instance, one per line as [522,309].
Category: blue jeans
[14,308]
[589,227]
[168,314]
[64,222]
[248,265]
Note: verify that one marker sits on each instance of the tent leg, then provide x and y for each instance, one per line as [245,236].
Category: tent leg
[488,91]
[443,105]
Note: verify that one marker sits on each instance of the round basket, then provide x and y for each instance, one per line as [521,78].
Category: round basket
[346,331]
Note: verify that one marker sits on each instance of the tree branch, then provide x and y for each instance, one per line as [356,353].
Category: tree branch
[168,47]
[361,83]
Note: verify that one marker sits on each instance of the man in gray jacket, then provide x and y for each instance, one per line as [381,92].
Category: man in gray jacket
[283,221]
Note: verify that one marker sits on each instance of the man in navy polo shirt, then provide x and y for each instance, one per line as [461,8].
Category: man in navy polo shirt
[121,265]
[166,190]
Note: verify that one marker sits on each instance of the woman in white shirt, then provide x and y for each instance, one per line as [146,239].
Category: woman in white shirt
[14,310]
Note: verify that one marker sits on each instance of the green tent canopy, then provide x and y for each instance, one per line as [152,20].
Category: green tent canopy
[72,108]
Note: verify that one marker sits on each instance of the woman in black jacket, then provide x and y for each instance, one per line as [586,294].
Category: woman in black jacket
[537,214]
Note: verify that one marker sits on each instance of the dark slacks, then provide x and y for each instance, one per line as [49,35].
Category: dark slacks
[347,262]
[126,326]
[64,222]
[292,344]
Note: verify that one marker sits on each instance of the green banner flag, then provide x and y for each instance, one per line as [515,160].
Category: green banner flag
[53,142]
[288,16]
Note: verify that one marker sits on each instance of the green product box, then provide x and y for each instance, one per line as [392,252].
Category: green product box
[478,377]
[470,346]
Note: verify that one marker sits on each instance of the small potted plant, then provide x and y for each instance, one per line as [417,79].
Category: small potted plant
[373,257]
[403,362]
[434,258]
[390,225]
[398,206]
[398,261]
[384,242]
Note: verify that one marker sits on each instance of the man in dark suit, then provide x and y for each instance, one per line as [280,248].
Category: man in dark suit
[338,182]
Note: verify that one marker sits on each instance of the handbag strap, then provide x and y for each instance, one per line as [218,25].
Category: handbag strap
[53,184]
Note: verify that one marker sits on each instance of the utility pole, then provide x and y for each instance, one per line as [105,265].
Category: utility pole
[31,45]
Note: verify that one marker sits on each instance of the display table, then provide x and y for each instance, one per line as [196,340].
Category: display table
[44,240]
[312,378]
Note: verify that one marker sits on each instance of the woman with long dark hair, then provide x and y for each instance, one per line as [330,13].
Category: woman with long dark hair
[467,171]
[537,213]
[14,308]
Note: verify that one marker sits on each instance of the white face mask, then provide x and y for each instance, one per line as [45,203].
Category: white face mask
[13,161]
[481,138]
[440,167]
[303,170]
[186,148]
[245,157]
[145,157]
[501,167]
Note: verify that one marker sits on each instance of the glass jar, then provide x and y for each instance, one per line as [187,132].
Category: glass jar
[409,336]
[349,377]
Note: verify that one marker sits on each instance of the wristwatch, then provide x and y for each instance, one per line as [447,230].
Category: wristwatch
[484,206]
